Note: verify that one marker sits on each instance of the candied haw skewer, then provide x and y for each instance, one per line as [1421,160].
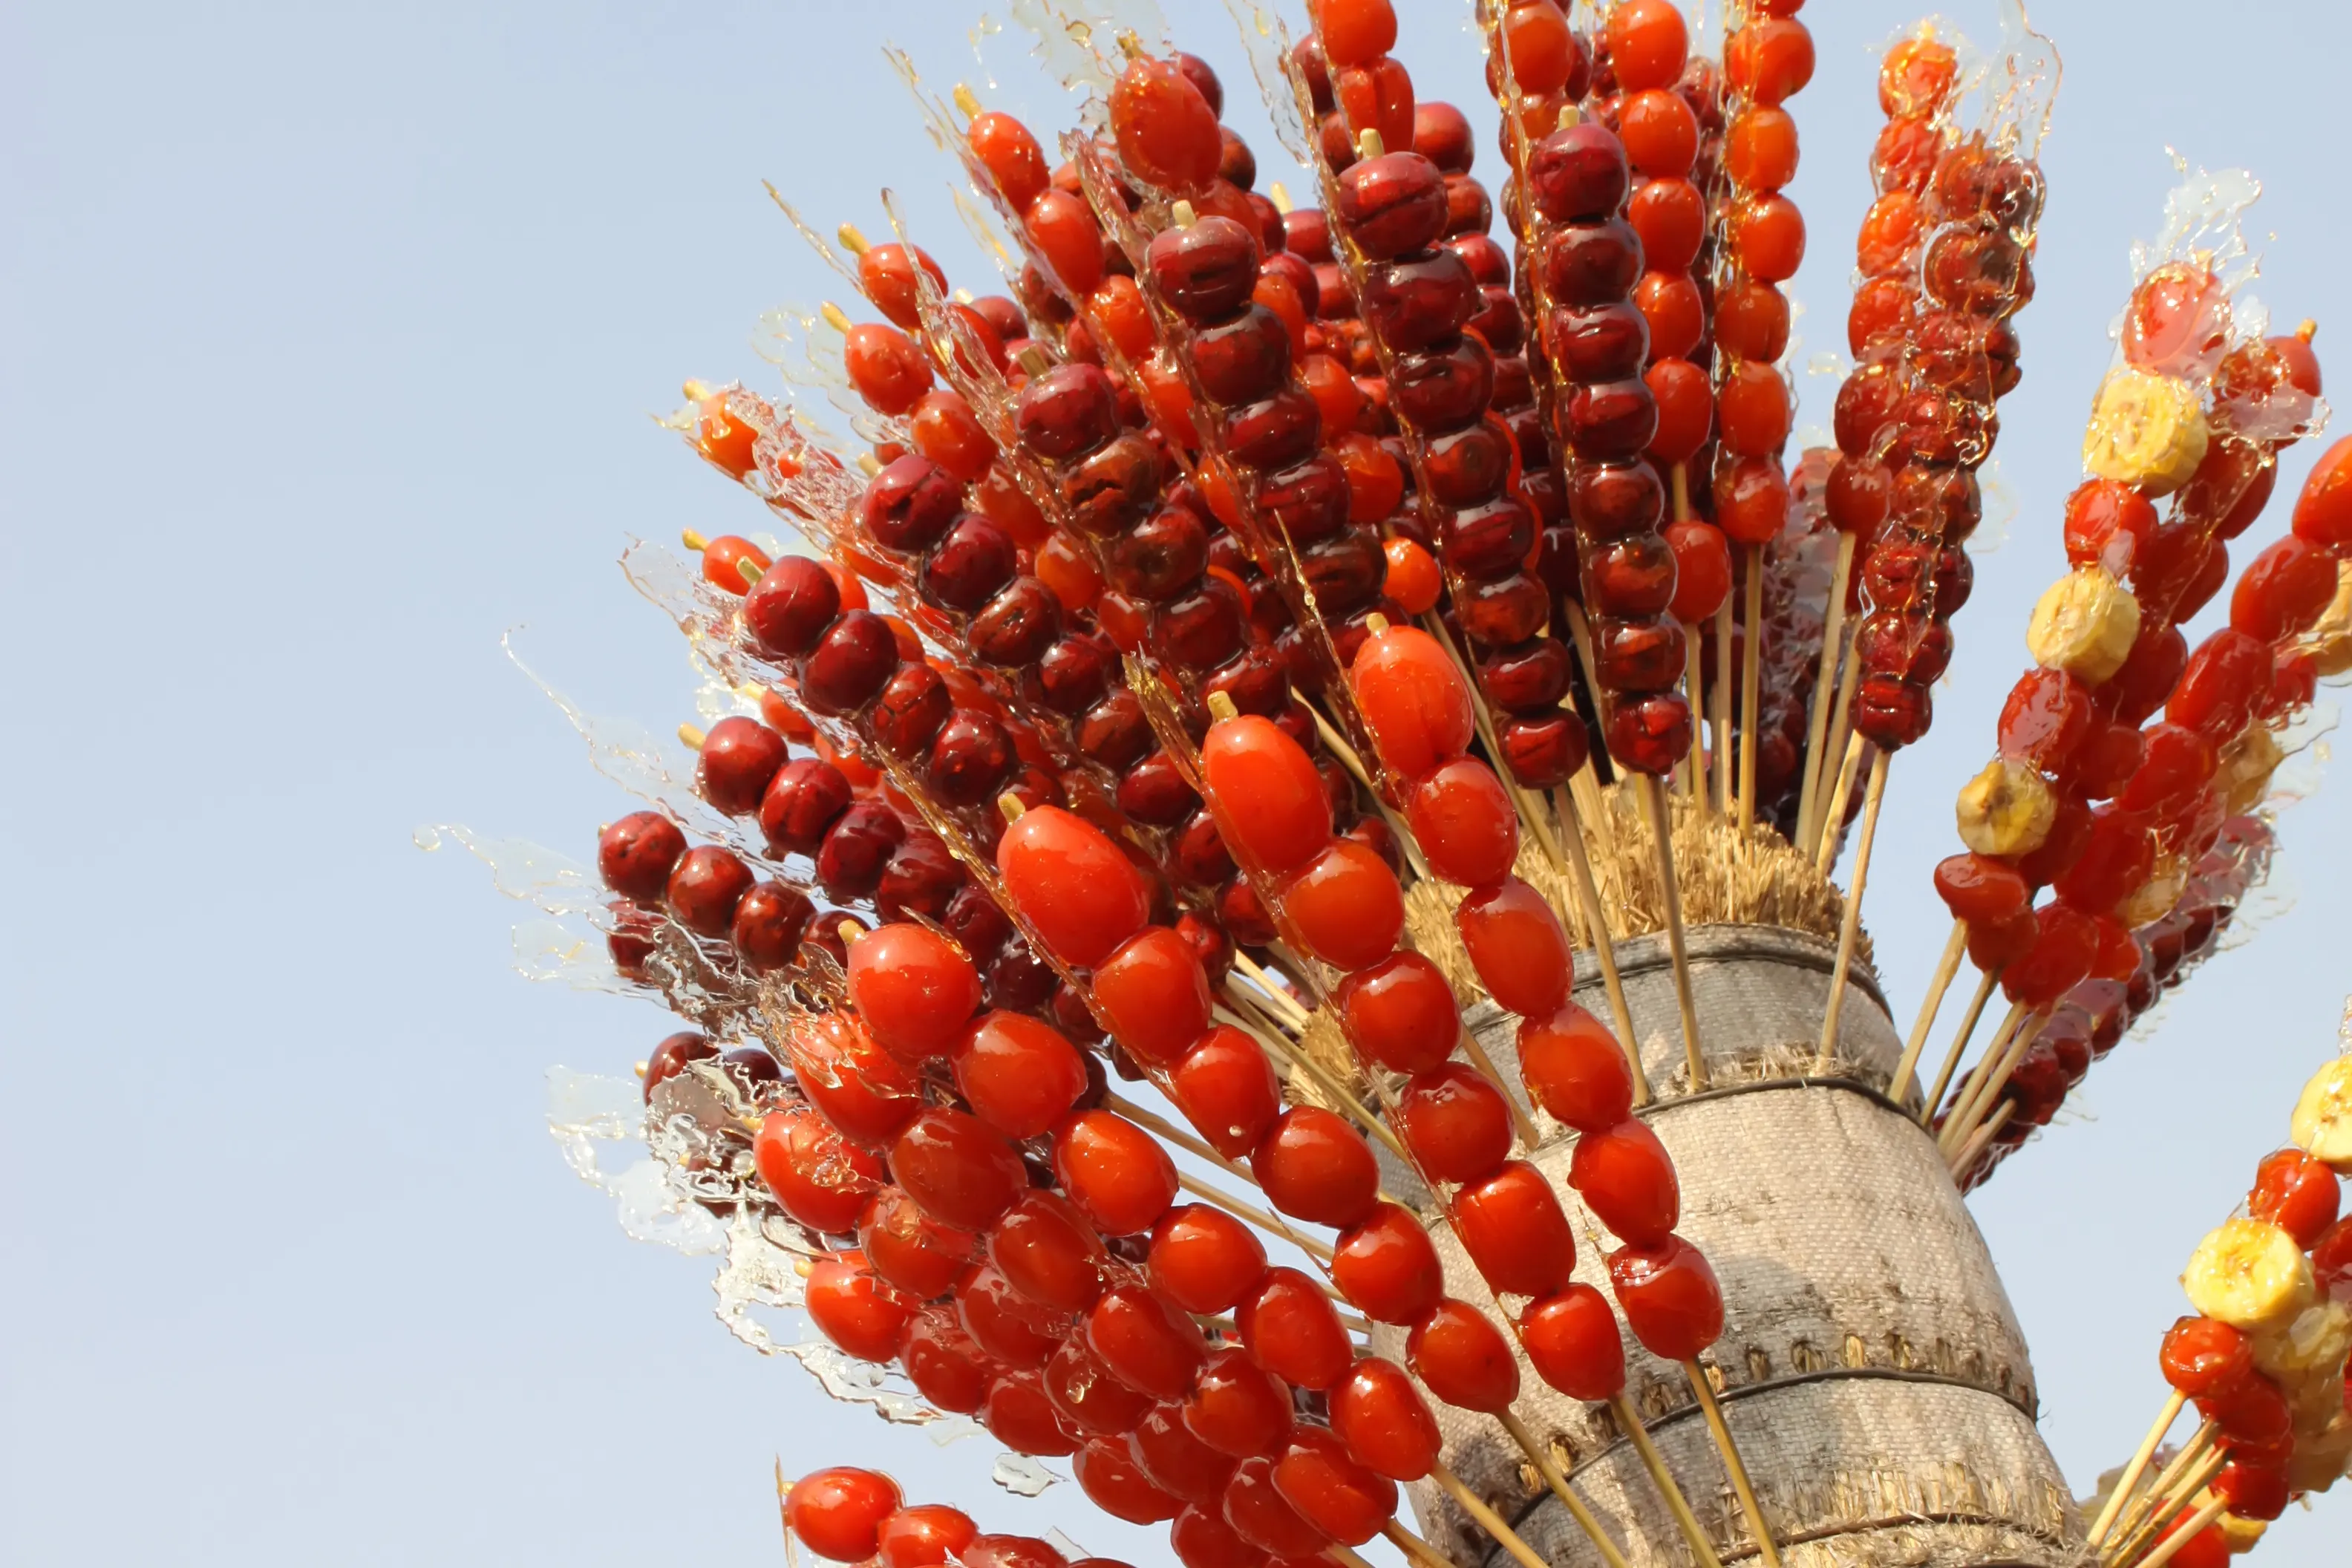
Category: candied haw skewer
[1390,211]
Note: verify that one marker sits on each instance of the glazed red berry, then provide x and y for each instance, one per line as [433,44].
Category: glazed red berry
[1464,1358]
[1019,1075]
[1457,1125]
[2323,512]
[946,1366]
[858,1313]
[1574,1069]
[908,1251]
[1511,1224]
[1018,1415]
[1204,1259]
[1386,1267]
[737,759]
[2282,590]
[1289,1326]
[1225,1087]
[2202,1358]
[1573,1341]
[1262,1517]
[1086,1397]
[724,558]
[1414,698]
[1154,994]
[1238,1407]
[1669,1296]
[820,1179]
[1147,1341]
[1084,896]
[914,988]
[960,1171]
[838,1512]
[2297,1193]
[1175,1460]
[1106,1470]
[1275,812]
[669,1058]
[1165,132]
[1465,822]
[1338,1496]
[1401,1013]
[1202,1539]
[1006,1325]
[1517,947]
[1346,906]
[927,1536]
[1116,1173]
[868,1095]
[1315,1166]
[1386,1425]
[636,854]
[1046,1249]
[1627,1179]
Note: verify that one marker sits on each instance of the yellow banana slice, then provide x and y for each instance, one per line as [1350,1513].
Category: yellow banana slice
[2085,624]
[2323,1117]
[2146,430]
[2005,810]
[2251,1275]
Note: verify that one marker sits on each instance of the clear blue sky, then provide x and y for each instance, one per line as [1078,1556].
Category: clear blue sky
[330,333]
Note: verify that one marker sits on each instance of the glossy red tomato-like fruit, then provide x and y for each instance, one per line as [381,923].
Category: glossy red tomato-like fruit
[1204,1259]
[1517,947]
[838,1512]
[1573,1341]
[1084,896]
[958,1170]
[1338,1496]
[1315,1166]
[1238,1407]
[1048,1252]
[858,1313]
[2253,1411]
[1381,1418]
[1175,1460]
[1202,1539]
[1574,1069]
[1154,993]
[820,1178]
[945,1364]
[738,756]
[914,989]
[1275,810]
[1669,1296]
[1018,1415]
[1086,1397]
[2252,1491]
[1146,1341]
[2323,512]
[1006,1325]
[1463,1358]
[1114,1171]
[1511,1224]
[1401,1013]
[1386,1267]
[1107,1472]
[865,1093]
[1465,822]
[908,1251]
[2297,1193]
[636,854]
[1226,1087]
[1626,1177]
[1288,1324]
[1346,906]
[1012,1551]
[926,1536]
[1457,1125]
[1415,697]
[1264,1518]
[1165,132]
[1018,1074]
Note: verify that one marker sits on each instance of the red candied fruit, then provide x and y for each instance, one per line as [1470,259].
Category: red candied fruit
[636,854]
[2046,716]
[1018,1074]
[1167,133]
[1384,1422]
[704,888]
[1226,1090]
[1457,1125]
[1107,1472]
[1386,1267]
[838,1512]
[1512,1226]
[1648,44]
[1315,1166]
[1685,403]
[889,372]
[1464,1358]
[914,988]
[1413,581]
[1205,1259]
[1573,1341]
[2177,316]
[927,1536]
[1669,1296]
[2297,1193]
[1465,823]
[1276,810]
[1076,885]
[1288,1324]
[1011,155]
[1238,1407]
[2201,1357]
[724,558]
[1345,1501]
[1114,1171]
[858,1313]
[819,1178]
[1048,1252]
[1574,1068]
[1702,570]
[1018,1415]
[2323,512]
[867,1094]
[1414,697]
[1265,1519]
[1625,1176]
[1145,1342]
[2066,944]
[1401,1013]
[958,1170]
[1346,907]
[1981,887]
[1355,32]
[738,756]
[1769,60]
[1516,945]
[943,1362]
[2282,590]
[1154,994]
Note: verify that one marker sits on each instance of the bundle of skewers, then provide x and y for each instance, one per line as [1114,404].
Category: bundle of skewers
[1252,895]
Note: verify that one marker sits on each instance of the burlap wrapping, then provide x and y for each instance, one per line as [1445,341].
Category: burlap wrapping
[1871,1368]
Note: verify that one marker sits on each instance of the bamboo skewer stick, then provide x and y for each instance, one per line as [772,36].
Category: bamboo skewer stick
[1605,947]
[1160,1126]
[1972,1115]
[1840,737]
[1557,1479]
[1694,769]
[1972,1087]
[2174,1402]
[2191,1468]
[1283,998]
[1660,812]
[1959,1046]
[1980,1140]
[1751,677]
[1492,1524]
[1954,950]
[1324,1079]
[1850,924]
[1720,1430]
[1412,1545]
[1719,708]
[1629,1421]
[1825,850]
[2188,1533]
[1817,722]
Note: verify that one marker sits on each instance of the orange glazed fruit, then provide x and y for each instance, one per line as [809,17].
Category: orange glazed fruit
[1346,906]
[1414,699]
[1315,1166]
[1516,946]
[1355,32]
[1573,1340]
[913,987]
[838,1513]
[1084,896]
[1512,1227]
[1464,1358]
[1574,1068]
[1167,133]
[1648,44]
[1385,1423]
[1154,994]
[1114,1171]
[1272,803]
